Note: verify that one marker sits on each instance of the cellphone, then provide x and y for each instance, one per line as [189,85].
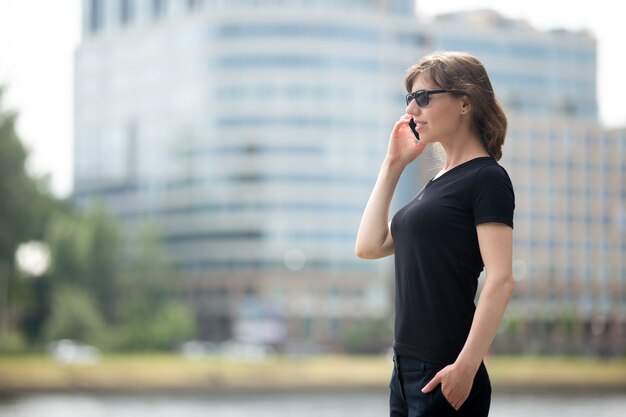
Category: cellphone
[412,126]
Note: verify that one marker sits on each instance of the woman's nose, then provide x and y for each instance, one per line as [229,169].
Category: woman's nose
[412,108]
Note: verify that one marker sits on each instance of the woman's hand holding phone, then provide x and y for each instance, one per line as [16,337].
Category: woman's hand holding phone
[404,145]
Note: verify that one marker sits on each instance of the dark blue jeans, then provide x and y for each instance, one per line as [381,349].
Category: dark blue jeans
[407,400]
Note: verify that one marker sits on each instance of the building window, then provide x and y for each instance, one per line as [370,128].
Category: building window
[96,15]
[194,4]
[158,8]
[127,11]
[132,138]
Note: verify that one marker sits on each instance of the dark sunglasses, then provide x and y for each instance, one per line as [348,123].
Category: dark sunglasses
[422,97]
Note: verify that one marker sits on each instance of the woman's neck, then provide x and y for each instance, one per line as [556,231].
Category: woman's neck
[462,150]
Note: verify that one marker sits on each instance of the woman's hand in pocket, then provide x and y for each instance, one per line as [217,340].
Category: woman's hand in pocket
[456,384]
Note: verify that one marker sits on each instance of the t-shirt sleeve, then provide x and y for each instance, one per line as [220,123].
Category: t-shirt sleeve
[493,199]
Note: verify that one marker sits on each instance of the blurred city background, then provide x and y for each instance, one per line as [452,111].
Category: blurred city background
[223,152]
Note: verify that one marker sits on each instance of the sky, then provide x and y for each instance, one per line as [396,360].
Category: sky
[38,39]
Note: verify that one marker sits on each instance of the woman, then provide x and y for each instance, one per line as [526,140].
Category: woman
[458,223]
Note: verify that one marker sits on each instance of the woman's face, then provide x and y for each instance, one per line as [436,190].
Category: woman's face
[440,118]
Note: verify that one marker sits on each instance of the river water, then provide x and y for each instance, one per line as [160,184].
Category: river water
[366,404]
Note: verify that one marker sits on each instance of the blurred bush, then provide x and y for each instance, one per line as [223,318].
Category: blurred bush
[372,336]
[104,287]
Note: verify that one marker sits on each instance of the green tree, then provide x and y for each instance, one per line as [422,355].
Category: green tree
[368,336]
[25,206]
[148,276]
[152,318]
[74,316]
[129,280]
[18,205]
[99,279]
[86,253]
[156,328]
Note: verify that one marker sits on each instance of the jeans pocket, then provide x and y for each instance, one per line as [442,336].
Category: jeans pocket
[439,404]
[395,386]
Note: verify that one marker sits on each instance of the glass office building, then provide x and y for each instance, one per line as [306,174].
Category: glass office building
[570,238]
[569,176]
[250,133]
[536,73]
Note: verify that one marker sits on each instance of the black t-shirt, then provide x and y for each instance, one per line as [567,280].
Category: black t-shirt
[438,260]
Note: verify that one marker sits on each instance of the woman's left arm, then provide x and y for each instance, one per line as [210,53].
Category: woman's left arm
[496,248]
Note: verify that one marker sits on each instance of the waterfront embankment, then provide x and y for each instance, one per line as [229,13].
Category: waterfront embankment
[213,374]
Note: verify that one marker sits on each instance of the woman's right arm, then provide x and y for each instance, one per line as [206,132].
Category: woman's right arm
[374,237]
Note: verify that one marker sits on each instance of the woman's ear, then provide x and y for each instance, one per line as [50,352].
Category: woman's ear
[466,105]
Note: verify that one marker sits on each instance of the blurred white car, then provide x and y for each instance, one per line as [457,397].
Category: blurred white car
[71,351]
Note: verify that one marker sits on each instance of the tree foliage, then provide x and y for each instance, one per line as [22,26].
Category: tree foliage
[129,281]
[75,316]
[25,208]
[151,316]
[86,253]
[103,286]
[156,328]
[369,336]
[25,202]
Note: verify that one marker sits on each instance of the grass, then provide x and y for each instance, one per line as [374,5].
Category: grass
[157,373]
[567,373]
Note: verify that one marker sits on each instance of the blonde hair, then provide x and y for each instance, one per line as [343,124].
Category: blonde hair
[466,76]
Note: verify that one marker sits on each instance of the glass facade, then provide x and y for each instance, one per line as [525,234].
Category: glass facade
[252,141]
[251,134]
[126,11]
[568,175]
[568,230]
[100,13]
[538,73]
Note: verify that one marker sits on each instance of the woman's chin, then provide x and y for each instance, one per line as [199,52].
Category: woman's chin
[426,140]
